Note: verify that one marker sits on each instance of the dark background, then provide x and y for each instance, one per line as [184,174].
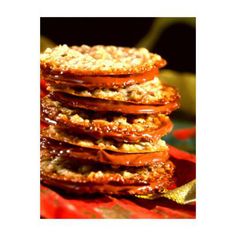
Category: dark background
[176,44]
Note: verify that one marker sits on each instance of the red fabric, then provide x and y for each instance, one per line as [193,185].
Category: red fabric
[183,134]
[43,91]
[181,155]
[56,206]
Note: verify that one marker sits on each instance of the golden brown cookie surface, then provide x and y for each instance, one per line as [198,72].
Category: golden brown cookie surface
[128,128]
[149,93]
[68,171]
[95,156]
[102,105]
[81,140]
[99,60]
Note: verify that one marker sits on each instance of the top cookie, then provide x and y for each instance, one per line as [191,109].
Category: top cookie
[99,60]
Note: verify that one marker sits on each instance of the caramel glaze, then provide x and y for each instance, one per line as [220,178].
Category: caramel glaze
[99,155]
[90,81]
[114,106]
[101,131]
[152,188]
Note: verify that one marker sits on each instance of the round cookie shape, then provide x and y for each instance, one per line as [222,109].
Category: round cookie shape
[99,60]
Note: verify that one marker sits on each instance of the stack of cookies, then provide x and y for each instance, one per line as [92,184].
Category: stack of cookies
[103,119]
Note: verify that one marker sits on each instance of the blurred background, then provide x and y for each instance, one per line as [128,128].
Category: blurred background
[174,38]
